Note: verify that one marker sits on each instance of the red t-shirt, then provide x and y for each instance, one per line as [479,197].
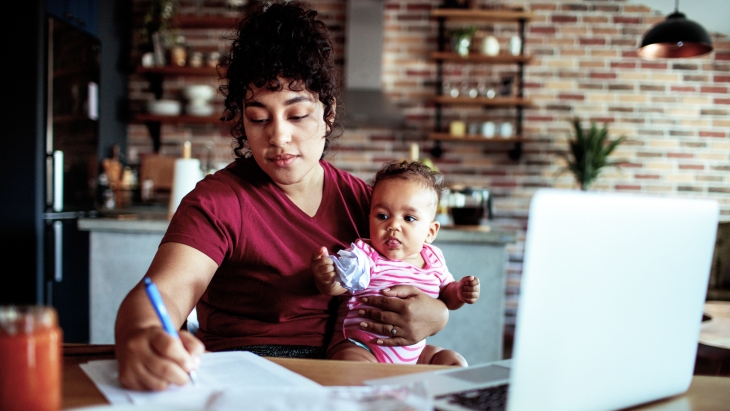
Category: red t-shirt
[263,291]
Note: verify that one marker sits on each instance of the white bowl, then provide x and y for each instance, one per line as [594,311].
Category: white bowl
[198,92]
[164,107]
[202,110]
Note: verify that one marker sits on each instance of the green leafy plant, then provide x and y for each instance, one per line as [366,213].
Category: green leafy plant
[589,152]
[461,39]
[158,18]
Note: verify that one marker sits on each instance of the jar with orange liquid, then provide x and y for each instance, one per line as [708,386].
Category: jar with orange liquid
[30,358]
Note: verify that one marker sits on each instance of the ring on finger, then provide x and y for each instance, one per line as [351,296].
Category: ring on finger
[392,331]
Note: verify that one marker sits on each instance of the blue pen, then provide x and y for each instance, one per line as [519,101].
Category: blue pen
[156,299]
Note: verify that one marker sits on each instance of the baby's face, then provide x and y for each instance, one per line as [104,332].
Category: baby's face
[402,219]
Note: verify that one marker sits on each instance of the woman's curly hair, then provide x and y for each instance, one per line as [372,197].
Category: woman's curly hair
[273,41]
[412,171]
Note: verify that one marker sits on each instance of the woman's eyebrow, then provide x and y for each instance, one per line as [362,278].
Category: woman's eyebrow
[297,99]
[293,100]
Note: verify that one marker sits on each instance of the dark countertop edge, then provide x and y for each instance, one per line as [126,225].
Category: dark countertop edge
[474,234]
[145,225]
[156,223]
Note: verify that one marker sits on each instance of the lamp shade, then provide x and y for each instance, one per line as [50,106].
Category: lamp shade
[675,37]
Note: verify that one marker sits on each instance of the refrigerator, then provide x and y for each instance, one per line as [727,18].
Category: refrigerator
[47,98]
[71,171]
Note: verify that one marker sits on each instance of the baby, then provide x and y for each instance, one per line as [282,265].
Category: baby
[402,226]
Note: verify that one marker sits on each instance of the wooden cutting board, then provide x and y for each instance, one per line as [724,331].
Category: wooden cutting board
[158,168]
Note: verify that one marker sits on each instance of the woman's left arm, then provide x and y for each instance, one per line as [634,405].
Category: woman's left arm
[413,315]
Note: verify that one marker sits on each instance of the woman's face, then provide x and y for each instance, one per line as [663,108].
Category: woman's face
[286,133]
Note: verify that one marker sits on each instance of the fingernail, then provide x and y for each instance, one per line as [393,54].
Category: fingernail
[364,299]
[361,312]
[379,342]
[189,365]
[363,325]
[386,289]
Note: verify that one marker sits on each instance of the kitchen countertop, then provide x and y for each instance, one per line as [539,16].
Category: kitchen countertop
[155,220]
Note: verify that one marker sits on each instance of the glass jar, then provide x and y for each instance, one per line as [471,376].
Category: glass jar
[30,354]
[179,52]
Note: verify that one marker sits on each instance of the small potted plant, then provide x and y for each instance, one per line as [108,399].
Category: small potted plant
[156,32]
[589,152]
[461,39]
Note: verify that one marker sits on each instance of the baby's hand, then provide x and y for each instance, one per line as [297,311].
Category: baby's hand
[468,289]
[323,269]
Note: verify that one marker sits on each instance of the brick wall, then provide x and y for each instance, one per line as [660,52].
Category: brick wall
[676,113]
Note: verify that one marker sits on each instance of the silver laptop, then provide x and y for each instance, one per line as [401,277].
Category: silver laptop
[609,314]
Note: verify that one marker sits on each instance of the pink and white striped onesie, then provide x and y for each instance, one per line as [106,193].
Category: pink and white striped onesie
[386,273]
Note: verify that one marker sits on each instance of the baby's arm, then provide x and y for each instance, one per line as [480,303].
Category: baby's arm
[456,293]
[324,273]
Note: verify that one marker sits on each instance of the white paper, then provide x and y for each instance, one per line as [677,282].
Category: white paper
[413,397]
[218,372]
[237,380]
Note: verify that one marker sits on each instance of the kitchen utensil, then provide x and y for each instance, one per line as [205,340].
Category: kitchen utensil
[488,129]
[490,46]
[164,107]
[197,109]
[469,205]
[457,128]
[199,92]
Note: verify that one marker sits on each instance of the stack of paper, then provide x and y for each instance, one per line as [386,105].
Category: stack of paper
[238,380]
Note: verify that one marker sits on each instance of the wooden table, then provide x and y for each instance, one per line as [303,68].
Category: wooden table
[705,393]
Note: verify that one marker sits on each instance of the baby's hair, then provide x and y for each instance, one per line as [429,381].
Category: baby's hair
[412,171]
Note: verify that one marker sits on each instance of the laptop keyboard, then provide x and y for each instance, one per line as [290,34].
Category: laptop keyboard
[483,399]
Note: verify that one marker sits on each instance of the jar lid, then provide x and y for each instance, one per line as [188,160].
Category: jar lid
[25,319]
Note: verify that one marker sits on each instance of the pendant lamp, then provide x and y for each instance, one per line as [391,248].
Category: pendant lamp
[675,37]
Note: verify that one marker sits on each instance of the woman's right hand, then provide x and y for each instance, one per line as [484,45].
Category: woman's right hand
[152,359]
[149,358]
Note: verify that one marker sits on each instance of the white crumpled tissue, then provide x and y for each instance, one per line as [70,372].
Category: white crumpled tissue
[353,268]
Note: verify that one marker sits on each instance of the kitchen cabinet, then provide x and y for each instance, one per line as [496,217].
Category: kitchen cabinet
[513,99]
[83,14]
[157,75]
[475,330]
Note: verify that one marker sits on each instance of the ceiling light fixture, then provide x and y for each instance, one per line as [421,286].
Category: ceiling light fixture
[675,37]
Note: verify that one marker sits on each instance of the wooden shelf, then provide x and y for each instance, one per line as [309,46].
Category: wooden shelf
[479,58]
[482,15]
[476,138]
[211,21]
[204,71]
[483,101]
[181,119]
[513,100]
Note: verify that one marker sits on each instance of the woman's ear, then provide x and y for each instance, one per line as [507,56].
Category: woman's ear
[334,109]
[331,118]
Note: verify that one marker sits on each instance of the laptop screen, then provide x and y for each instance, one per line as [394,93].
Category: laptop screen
[611,299]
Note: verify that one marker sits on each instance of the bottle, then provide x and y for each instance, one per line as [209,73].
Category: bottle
[515,46]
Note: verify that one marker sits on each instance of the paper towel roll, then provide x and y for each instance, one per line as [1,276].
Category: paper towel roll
[187,174]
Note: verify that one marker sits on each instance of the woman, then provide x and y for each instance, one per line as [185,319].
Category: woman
[239,245]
